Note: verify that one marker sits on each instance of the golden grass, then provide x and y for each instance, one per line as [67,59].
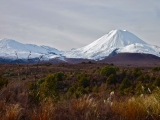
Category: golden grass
[44,112]
[140,108]
[10,111]
[13,112]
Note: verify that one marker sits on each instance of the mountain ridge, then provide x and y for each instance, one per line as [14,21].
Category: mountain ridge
[9,47]
[112,43]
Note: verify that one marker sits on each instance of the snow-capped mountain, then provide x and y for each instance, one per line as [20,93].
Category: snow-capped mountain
[116,41]
[9,47]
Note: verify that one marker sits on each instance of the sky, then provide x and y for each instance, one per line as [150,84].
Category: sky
[67,24]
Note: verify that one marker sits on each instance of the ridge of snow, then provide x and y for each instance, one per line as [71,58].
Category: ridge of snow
[140,48]
[8,47]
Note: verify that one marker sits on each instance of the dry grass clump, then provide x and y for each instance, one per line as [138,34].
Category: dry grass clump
[10,111]
[129,110]
[13,112]
[44,112]
[140,108]
[84,108]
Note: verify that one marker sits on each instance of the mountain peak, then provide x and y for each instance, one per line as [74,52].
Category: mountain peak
[6,40]
[104,46]
[7,43]
[115,39]
[118,30]
[121,38]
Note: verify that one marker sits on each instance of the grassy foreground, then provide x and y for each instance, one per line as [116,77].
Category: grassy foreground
[89,107]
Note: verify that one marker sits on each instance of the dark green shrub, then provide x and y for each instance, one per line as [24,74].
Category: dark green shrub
[152,78]
[72,89]
[33,92]
[127,90]
[140,78]
[112,80]
[32,86]
[136,72]
[46,88]
[11,73]
[116,68]
[157,81]
[107,70]
[49,86]
[125,84]
[154,69]
[147,77]
[81,90]
[95,89]
[129,72]
[23,78]
[84,80]
[6,75]
[123,74]
[40,81]
[59,76]
[3,81]
[138,88]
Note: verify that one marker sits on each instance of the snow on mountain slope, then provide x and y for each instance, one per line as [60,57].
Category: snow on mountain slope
[140,48]
[105,45]
[115,38]
[50,49]
[116,41]
[8,47]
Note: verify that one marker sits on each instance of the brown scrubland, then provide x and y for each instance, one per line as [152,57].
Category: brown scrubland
[84,91]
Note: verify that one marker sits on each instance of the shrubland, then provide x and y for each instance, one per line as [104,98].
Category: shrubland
[90,91]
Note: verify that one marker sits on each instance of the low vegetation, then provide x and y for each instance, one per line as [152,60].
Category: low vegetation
[79,92]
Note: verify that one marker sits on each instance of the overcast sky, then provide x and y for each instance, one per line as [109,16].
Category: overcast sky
[66,24]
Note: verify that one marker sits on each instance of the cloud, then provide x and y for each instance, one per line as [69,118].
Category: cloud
[64,24]
[157,12]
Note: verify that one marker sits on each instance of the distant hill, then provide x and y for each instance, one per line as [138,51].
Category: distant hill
[135,59]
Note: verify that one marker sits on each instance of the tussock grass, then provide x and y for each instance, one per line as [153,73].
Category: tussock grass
[10,111]
[139,108]
[44,112]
